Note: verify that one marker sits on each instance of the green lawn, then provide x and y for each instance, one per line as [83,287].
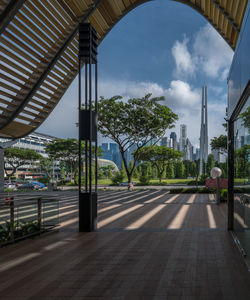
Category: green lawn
[171,181]
[152,182]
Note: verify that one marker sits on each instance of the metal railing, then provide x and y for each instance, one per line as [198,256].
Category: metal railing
[24,216]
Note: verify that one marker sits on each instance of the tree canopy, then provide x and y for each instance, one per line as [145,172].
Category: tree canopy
[66,150]
[160,156]
[18,157]
[134,123]
[219,143]
[245,116]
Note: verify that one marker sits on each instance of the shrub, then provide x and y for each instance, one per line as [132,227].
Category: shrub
[144,179]
[223,194]
[192,191]
[117,179]
[44,180]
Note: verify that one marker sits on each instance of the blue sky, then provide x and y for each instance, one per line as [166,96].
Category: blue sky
[165,48]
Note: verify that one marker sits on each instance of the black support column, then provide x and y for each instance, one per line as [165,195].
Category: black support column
[88,44]
[230,197]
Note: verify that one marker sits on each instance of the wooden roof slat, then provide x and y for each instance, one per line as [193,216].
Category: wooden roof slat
[37,30]
[13,81]
[22,117]
[68,11]
[14,74]
[41,25]
[7,102]
[11,63]
[18,51]
[48,21]
[37,108]
[61,11]
[27,40]
[57,26]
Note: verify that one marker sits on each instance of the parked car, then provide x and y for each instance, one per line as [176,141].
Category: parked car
[10,185]
[28,186]
[126,183]
[39,183]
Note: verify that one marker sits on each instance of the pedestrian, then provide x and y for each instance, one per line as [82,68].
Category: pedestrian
[130,186]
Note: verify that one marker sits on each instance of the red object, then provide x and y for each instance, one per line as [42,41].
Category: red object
[211,183]
[7,199]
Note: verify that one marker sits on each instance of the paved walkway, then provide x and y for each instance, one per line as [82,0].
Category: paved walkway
[150,245]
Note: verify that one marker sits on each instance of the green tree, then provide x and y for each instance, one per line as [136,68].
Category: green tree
[16,158]
[242,161]
[136,173]
[219,143]
[145,173]
[193,169]
[170,172]
[134,123]
[210,164]
[46,165]
[245,116]
[122,171]
[159,156]
[66,151]
[180,170]
[187,164]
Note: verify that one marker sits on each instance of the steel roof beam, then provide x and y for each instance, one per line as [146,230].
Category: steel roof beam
[9,13]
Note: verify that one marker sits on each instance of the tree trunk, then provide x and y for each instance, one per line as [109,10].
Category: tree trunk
[129,178]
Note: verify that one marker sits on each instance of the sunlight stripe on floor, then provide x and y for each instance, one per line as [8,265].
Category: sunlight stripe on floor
[179,218]
[119,215]
[160,196]
[138,198]
[129,195]
[108,208]
[15,262]
[211,220]
[138,223]
[68,222]
[172,199]
[192,198]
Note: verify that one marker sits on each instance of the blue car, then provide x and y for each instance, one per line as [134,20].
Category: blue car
[38,183]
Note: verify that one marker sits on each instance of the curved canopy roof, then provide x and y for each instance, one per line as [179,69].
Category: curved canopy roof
[39,49]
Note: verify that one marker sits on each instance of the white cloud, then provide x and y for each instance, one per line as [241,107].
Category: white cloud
[182,98]
[213,53]
[185,65]
[209,54]
[180,95]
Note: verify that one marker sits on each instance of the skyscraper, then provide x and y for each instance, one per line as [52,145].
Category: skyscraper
[183,137]
[203,133]
[173,137]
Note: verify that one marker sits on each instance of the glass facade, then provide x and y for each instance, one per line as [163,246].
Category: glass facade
[242,179]
[240,70]
[239,131]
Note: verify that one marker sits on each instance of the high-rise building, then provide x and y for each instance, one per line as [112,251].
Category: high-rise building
[197,153]
[164,141]
[183,137]
[173,137]
[204,130]
[219,156]
[189,149]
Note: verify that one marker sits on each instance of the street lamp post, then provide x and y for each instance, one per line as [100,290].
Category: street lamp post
[216,174]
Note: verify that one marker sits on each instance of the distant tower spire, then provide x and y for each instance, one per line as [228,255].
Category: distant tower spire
[204,130]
